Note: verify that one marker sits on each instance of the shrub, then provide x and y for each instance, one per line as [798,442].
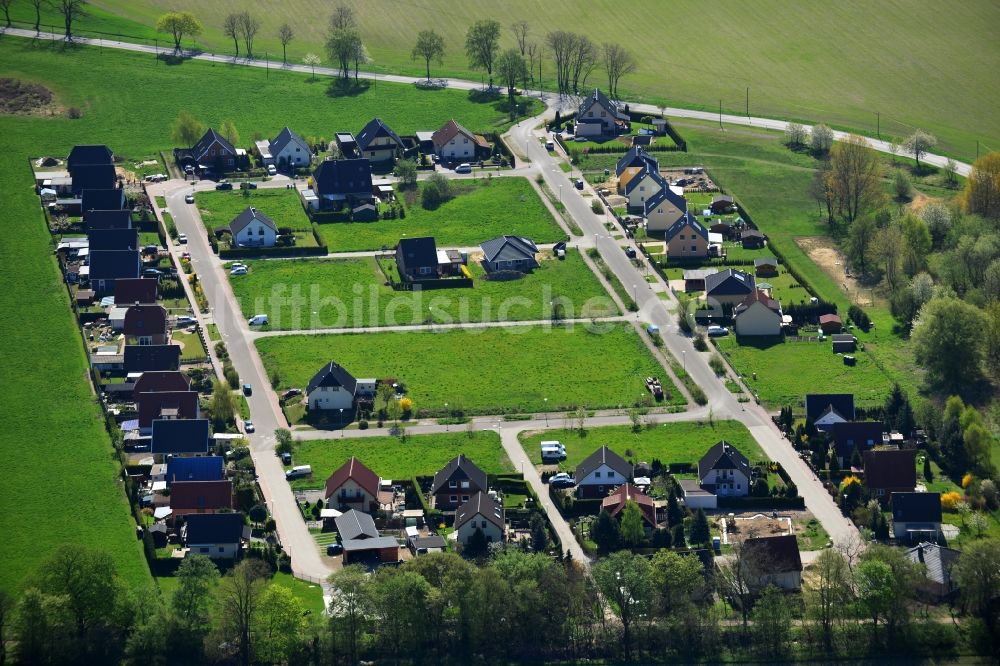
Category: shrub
[698,395]
[967,479]
[901,185]
[683,322]
[699,343]
[406,404]
[795,135]
[717,364]
[597,206]
[950,500]
[437,190]
[74,113]
[860,318]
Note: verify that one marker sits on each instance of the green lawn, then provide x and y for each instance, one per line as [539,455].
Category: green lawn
[338,293]
[390,458]
[483,209]
[667,442]
[193,350]
[786,371]
[483,371]
[284,207]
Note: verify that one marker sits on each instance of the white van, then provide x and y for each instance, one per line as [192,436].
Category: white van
[258,320]
[299,471]
[552,450]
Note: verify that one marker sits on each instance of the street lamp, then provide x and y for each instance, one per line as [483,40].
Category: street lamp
[560,194]
[341,422]
[546,412]
[446,417]
[684,359]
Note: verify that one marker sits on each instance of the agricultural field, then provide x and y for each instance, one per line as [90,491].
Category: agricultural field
[483,371]
[684,442]
[284,207]
[348,293]
[395,458]
[481,209]
[841,73]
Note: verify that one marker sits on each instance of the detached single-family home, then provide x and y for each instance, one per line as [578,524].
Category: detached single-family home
[774,560]
[481,513]
[111,198]
[417,258]
[752,239]
[353,486]
[599,116]
[252,228]
[915,516]
[938,561]
[166,405]
[212,150]
[635,159]
[361,540]
[825,409]
[332,388]
[757,315]
[209,468]
[765,266]
[143,358]
[454,143]
[215,535]
[378,142]
[456,483]
[158,381]
[600,473]
[641,186]
[694,278]
[343,182]
[890,471]
[106,266]
[722,204]
[667,211]
[290,150]
[725,471]
[146,325]
[729,287]
[85,154]
[830,323]
[616,501]
[509,253]
[129,291]
[849,436]
[112,239]
[187,497]
[108,219]
[180,437]
[93,177]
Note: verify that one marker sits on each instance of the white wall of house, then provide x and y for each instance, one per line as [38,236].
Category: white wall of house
[460,146]
[728,482]
[788,580]
[218,551]
[350,490]
[603,476]
[645,188]
[330,397]
[701,501]
[256,234]
[293,154]
[493,533]
[758,319]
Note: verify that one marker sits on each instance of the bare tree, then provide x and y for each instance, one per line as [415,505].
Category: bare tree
[71,10]
[231,28]
[618,62]
[249,25]
[342,18]
[240,596]
[285,36]
[562,44]
[534,53]
[5,5]
[584,60]
[520,30]
[855,176]
[38,4]
[360,56]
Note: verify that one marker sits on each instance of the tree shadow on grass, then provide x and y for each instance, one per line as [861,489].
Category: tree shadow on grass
[762,342]
[347,87]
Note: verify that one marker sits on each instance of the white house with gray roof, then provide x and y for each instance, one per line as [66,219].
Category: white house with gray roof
[252,228]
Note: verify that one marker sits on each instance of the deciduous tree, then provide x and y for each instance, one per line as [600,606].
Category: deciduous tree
[625,581]
[285,36]
[311,59]
[187,130]
[919,144]
[71,10]
[821,139]
[855,177]
[521,30]
[429,46]
[982,188]
[249,24]
[179,24]
[605,532]
[618,62]
[277,625]
[772,624]
[482,42]
[511,68]
[231,29]
[948,341]
[37,6]
[239,598]
[633,532]
[828,592]
[229,132]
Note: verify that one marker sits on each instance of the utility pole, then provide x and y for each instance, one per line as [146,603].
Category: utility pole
[878,124]
[720,114]
[748,102]
[977,149]
[267,66]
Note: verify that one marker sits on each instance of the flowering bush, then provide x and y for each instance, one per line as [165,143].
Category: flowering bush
[950,500]
[848,480]
[967,479]
[406,404]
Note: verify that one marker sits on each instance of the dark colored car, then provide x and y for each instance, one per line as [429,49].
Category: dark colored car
[286,458]
[247,389]
[334,549]
[224,186]
[247,185]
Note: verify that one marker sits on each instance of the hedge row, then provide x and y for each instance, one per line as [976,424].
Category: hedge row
[291,251]
[761,503]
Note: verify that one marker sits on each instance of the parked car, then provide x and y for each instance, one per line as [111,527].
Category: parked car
[578,184]
[247,389]
[182,239]
[550,145]
[237,264]
[286,458]
[185,320]
[271,170]
[247,185]
[239,270]
[334,549]
[561,480]
[291,393]
[248,424]
[298,471]
[464,167]
[151,272]
[630,252]
[258,320]
[189,168]
[150,249]
[224,186]
[189,199]
[717,331]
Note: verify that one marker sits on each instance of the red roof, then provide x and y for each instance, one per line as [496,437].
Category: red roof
[152,405]
[451,129]
[205,495]
[146,320]
[160,380]
[615,502]
[353,470]
[829,319]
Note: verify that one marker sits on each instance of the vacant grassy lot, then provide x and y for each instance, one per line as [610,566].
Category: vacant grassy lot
[838,63]
[786,371]
[341,293]
[668,442]
[482,209]
[392,458]
[284,207]
[482,371]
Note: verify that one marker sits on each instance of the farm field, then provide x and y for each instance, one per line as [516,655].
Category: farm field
[684,442]
[345,293]
[483,371]
[393,458]
[840,74]
[482,209]
[218,208]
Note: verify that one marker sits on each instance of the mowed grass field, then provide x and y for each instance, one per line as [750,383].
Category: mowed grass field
[834,62]
[483,371]
[392,458]
[482,209]
[684,442]
[349,293]
[218,208]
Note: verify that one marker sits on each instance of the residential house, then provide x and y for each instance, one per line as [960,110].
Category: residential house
[187,497]
[774,560]
[106,266]
[642,186]
[694,278]
[825,409]
[725,471]
[353,486]
[93,177]
[616,501]
[212,151]
[890,471]
[362,541]
[180,437]
[129,291]
[82,155]
[143,358]
[347,145]
[752,239]
[343,182]
[209,468]
[843,343]
[113,239]
[454,143]
[332,388]
[667,211]
[509,253]
[217,535]
[146,325]
[729,287]
[289,150]
[599,116]
[158,381]
[481,513]
[765,266]
[915,516]
[108,219]
[757,315]
[939,562]
[848,436]
[456,483]
[636,159]
[379,143]
[600,473]
[722,204]
[417,258]
[101,199]
[166,405]
[252,228]
[830,323]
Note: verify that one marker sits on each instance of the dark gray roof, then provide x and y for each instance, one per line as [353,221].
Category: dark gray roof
[108,219]
[249,215]
[113,239]
[939,560]
[916,508]
[180,436]
[205,142]
[96,153]
[102,199]
[285,137]
[479,504]
[358,532]
[729,282]
[818,403]
[850,435]
[636,156]
[418,252]
[765,261]
[723,456]
[667,194]
[374,129]
[93,177]
[459,468]
[509,248]
[113,264]
[144,358]
[429,541]
[214,528]
[775,554]
[653,172]
[209,468]
[332,374]
[751,233]
[598,97]
[604,456]
[346,177]
[686,220]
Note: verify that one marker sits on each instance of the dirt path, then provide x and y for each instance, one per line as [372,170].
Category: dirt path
[824,253]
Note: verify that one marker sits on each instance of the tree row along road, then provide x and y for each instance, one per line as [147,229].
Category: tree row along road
[961,168]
